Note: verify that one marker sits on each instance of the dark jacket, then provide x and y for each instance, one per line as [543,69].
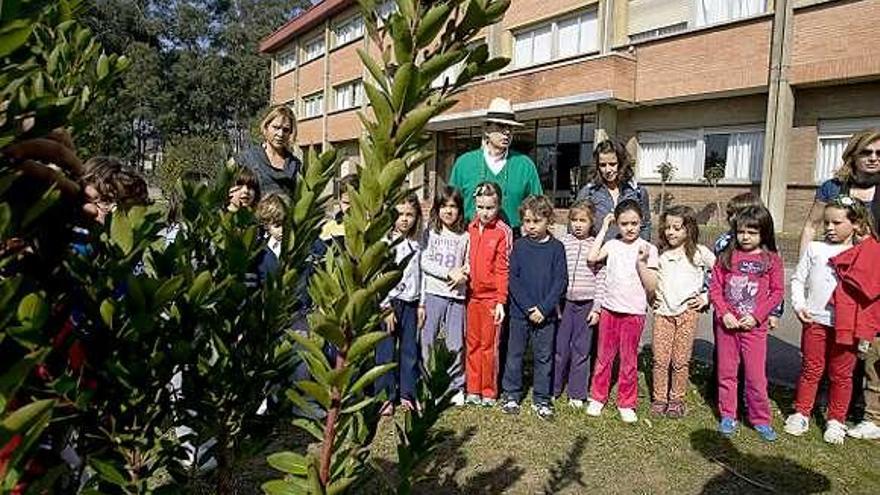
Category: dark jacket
[600,197]
[272,180]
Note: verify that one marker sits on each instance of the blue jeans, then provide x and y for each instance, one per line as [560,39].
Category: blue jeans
[542,336]
[403,347]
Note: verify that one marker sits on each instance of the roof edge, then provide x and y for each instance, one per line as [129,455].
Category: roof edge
[305,20]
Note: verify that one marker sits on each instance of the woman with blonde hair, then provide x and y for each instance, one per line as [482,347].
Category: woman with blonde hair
[272,161]
[857,177]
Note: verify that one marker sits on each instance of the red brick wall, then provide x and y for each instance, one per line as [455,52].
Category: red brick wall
[835,41]
[727,58]
[524,11]
[345,64]
[311,77]
[309,132]
[343,126]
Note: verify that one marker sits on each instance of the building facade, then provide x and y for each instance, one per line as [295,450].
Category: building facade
[767,90]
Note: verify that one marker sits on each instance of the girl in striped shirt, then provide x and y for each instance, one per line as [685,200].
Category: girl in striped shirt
[580,312]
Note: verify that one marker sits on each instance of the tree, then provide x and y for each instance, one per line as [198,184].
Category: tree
[420,41]
[667,172]
[713,174]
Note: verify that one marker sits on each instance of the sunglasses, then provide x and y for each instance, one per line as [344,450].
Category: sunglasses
[866,153]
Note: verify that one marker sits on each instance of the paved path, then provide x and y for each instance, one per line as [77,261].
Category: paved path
[783,345]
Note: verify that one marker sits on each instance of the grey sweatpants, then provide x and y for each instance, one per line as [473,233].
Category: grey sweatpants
[449,314]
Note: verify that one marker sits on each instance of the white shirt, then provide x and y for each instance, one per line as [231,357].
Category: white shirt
[624,292]
[495,163]
[680,278]
[814,281]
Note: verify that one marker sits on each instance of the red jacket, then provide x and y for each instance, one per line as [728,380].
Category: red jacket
[856,299]
[489,257]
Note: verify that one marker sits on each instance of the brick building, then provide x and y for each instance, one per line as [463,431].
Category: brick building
[770,90]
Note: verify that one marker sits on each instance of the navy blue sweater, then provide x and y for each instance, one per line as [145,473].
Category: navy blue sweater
[538,277]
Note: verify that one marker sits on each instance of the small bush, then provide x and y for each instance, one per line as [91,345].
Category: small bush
[198,158]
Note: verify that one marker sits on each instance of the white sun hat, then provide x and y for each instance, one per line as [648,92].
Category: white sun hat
[500,111]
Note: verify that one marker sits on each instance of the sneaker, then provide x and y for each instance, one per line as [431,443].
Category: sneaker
[473,400]
[676,409]
[387,408]
[544,411]
[835,432]
[488,402]
[576,403]
[768,434]
[866,430]
[510,407]
[594,407]
[410,405]
[797,424]
[727,426]
[658,408]
[458,399]
[627,415]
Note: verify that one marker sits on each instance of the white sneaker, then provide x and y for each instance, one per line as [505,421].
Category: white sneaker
[797,424]
[627,415]
[866,430]
[458,399]
[835,432]
[576,403]
[594,407]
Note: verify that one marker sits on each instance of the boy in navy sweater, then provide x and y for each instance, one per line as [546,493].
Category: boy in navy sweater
[538,279]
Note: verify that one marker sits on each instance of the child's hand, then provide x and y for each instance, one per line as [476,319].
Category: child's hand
[698,303]
[390,322]
[535,315]
[748,322]
[802,315]
[421,317]
[864,346]
[499,313]
[772,323]
[730,322]
[608,220]
[593,318]
[457,276]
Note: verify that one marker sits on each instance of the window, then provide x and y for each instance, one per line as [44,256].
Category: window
[740,151]
[385,9]
[715,11]
[314,48]
[313,105]
[559,39]
[348,30]
[453,72]
[657,32]
[833,138]
[349,95]
[285,61]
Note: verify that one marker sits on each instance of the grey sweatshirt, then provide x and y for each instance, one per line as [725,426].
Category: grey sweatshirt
[441,253]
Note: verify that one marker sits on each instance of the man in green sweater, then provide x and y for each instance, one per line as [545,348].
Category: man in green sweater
[514,172]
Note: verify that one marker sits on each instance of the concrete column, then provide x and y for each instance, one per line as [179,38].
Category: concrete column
[780,115]
[619,11]
[327,95]
[606,122]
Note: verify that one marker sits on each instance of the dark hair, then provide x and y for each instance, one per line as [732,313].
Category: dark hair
[445,195]
[741,201]
[488,188]
[628,205]
[689,221]
[624,162]
[857,213]
[349,181]
[539,205]
[757,217]
[413,200]
[246,177]
[115,182]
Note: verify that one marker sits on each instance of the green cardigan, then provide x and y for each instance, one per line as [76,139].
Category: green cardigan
[518,180]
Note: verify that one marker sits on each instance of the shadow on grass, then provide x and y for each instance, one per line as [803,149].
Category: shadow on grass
[748,473]
[438,474]
[567,470]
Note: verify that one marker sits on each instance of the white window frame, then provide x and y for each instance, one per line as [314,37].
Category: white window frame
[307,48]
[355,24]
[313,105]
[285,61]
[837,130]
[354,99]
[554,38]
[698,134]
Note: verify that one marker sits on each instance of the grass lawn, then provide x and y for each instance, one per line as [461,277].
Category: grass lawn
[488,452]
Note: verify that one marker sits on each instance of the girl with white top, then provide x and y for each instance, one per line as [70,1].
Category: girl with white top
[812,285]
[681,294]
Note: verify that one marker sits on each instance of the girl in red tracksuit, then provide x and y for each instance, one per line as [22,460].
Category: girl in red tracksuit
[490,242]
